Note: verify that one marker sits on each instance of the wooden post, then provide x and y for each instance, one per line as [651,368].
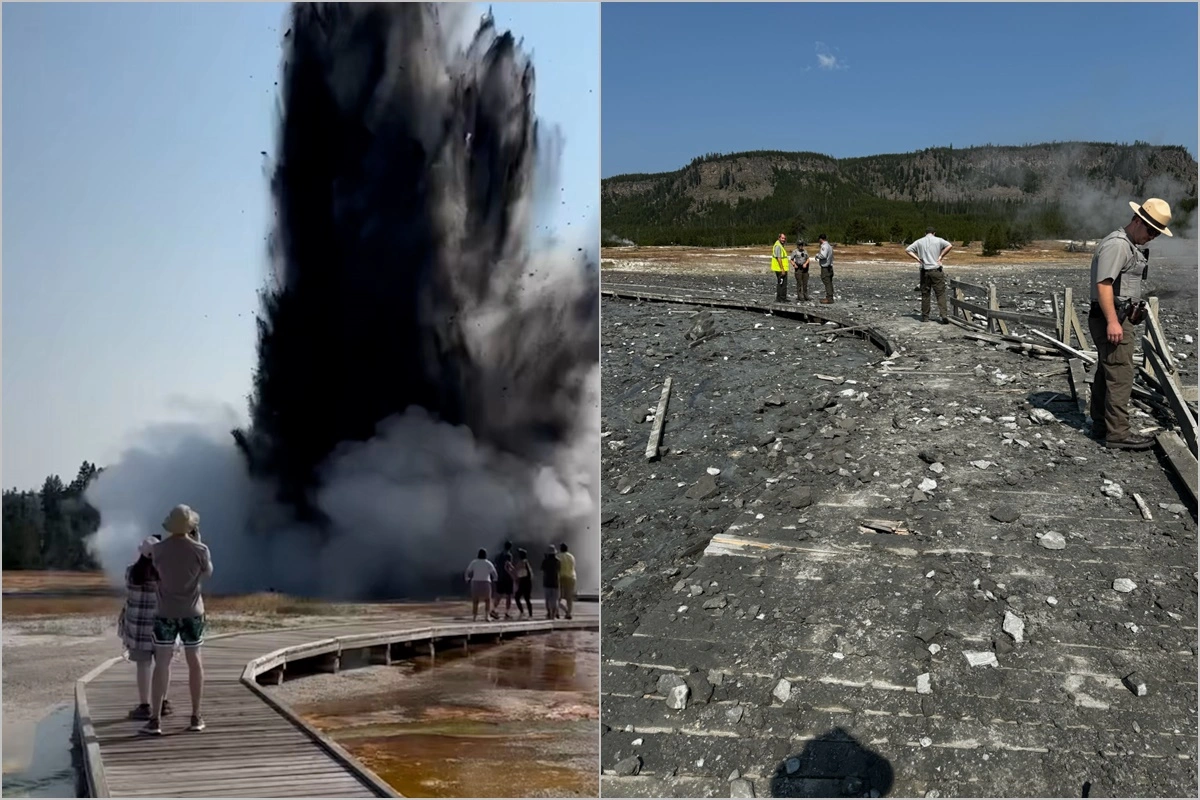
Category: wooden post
[994,305]
[1068,316]
[659,418]
[1060,330]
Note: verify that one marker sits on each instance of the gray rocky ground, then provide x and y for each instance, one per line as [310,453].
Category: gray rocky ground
[814,659]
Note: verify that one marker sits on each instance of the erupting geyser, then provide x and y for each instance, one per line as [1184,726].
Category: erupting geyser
[428,380]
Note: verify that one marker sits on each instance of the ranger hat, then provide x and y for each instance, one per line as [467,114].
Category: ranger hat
[1155,213]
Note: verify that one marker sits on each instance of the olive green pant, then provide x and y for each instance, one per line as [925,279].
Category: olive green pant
[827,279]
[801,284]
[933,279]
[1113,383]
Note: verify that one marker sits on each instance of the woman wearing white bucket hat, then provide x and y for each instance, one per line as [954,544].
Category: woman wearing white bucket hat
[1118,269]
[135,625]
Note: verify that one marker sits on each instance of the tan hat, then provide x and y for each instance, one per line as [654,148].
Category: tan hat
[1156,213]
[182,520]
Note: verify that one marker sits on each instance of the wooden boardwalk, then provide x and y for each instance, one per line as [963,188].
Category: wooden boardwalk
[254,746]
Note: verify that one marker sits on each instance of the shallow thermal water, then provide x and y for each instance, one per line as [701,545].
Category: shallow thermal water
[49,772]
[517,719]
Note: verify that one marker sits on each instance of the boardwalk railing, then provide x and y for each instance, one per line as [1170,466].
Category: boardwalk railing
[255,745]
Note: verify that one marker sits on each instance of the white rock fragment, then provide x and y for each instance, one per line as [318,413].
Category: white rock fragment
[1040,416]
[783,690]
[937,468]
[1132,627]
[923,684]
[677,697]
[1051,601]
[926,741]
[935,648]
[981,464]
[1187,337]
[1052,540]
[927,485]
[1014,626]
[1124,585]
[713,471]
[636,742]
[981,658]
[1135,684]
[1112,489]
[931,573]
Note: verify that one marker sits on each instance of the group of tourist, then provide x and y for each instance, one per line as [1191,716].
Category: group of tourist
[1119,268]
[164,606]
[512,576]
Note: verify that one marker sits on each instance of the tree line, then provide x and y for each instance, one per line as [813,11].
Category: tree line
[885,198]
[47,528]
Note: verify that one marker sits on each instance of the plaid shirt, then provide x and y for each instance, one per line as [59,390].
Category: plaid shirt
[136,623]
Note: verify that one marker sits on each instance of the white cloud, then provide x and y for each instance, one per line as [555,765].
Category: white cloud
[827,59]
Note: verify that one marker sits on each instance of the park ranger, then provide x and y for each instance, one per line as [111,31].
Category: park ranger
[1119,267]
[800,268]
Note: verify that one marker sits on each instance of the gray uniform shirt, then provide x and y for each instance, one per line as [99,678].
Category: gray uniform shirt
[825,255]
[928,248]
[182,564]
[798,259]
[1117,258]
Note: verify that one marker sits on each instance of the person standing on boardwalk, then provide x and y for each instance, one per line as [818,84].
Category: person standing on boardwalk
[1119,266]
[504,581]
[550,582]
[929,252]
[135,625]
[779,265]
[800,269]
[183,563]
[825,261]
[523,573]
[566,578]
[481,574]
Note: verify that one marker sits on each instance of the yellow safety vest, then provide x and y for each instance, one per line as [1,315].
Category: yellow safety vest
[779,258]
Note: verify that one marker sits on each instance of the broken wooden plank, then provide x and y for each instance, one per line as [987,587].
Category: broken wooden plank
[1181,459]
[1075,377]
[1141,504]
[659,417]
[1062,331]
[1077,328]
[1170,389]
[1000,316]
[1157,337]
[1089,358]
[1183,415]
[957,285]
[883,526]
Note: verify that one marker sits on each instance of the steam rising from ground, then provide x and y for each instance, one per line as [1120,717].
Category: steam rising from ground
[427,384]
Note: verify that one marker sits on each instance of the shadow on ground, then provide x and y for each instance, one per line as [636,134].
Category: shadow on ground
[834,764]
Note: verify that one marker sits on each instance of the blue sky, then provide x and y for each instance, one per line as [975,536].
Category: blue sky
[136,208]
[850,79]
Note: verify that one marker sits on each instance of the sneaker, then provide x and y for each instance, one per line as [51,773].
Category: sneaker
[825,301]
[142,712]
[197,723]
[1130,442]
[152,728]
[166,708]
[943,321]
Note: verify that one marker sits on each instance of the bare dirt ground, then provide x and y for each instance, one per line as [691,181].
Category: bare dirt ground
[818,660]
[58,626]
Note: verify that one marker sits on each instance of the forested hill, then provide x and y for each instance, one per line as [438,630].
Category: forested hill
[1057,190]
